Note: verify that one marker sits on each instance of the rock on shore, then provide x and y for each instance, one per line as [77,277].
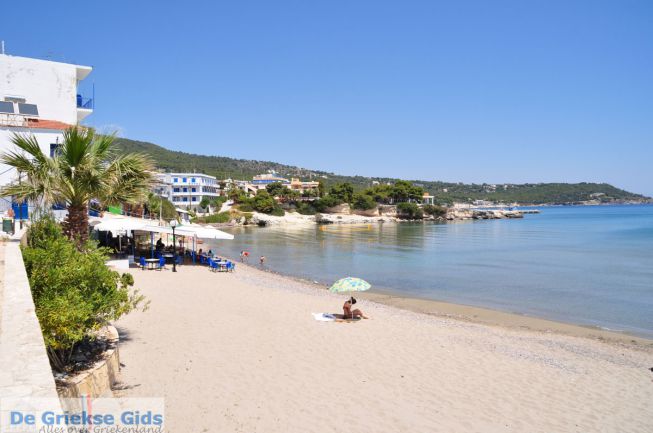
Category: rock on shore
[387,216]
[485,214]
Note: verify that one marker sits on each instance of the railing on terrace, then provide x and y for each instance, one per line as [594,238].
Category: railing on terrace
[86,103]
[16,120]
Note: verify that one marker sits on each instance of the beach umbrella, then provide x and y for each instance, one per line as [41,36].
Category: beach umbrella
[349,285]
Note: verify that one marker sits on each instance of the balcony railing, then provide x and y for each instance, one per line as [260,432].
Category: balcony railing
[86,103]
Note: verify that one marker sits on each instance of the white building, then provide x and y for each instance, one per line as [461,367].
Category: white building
[187,189]
[38,97]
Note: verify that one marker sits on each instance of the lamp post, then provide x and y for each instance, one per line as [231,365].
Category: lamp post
[173,224]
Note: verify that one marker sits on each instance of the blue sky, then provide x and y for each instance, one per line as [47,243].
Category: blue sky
[471,91]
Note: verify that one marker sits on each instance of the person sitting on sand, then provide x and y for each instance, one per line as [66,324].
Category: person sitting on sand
[348,313]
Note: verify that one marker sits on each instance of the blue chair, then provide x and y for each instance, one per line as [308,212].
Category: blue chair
[213,265]
[162,263]
[231,266]
[179,260]
[142,263]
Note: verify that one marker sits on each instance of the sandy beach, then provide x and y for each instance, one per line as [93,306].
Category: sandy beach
[241,352]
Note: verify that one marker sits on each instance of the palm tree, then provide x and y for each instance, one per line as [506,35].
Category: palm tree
[83,168]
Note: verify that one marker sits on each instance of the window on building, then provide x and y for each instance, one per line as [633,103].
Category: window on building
[192,189]
[185,199]
[194,198]
[175,180]
[185,189]
[183,179]
[175,189]
[192,179]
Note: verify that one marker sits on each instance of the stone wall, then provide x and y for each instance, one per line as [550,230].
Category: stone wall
[25,369]
[98,380]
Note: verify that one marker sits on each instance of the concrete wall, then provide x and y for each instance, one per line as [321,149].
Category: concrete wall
[24,366]
[52,86]
[44,138]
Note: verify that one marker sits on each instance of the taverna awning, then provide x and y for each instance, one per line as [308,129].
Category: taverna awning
[191,231]
[117,225]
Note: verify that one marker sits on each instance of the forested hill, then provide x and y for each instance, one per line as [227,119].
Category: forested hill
[445,192]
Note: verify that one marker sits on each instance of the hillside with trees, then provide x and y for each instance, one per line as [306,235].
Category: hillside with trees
[444,192]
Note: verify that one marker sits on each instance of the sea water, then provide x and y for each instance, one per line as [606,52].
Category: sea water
[590,265]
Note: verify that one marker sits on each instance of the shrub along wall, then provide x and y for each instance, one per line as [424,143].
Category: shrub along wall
[74,292]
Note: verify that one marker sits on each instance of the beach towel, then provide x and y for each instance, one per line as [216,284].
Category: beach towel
[324,317]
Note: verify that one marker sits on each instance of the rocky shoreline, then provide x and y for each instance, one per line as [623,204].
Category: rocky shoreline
[384,216]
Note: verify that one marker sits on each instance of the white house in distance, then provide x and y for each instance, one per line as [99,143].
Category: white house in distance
[38,97]
[261,181]
[187,189]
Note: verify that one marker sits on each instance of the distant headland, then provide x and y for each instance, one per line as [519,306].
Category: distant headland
[444,193]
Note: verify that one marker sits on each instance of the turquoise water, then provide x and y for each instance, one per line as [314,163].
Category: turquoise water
[588,265]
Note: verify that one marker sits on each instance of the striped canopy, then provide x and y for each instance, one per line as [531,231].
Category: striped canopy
[350,284]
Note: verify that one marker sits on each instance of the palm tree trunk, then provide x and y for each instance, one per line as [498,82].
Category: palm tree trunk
[75,225]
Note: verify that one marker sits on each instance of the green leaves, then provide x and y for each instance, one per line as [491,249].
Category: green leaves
[342,191]
[74,292]
[409,211]
[363,202]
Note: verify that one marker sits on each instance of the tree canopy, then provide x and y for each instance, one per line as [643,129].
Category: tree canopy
[85,167]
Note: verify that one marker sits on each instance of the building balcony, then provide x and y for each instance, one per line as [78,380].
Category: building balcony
[85,107]
[194,193]
[84,102]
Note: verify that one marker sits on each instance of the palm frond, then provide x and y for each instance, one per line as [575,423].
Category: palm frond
[102,145]
[74,151]
[128,179]
[29,144]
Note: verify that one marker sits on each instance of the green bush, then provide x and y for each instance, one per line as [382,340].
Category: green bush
[237,195]
[321,205]
[74,292]
[43,231]
[264,202]
[409,211]
[246,207]
[277,189]
[277,211]
[342,191]
[436,211]
[222,217]
[363,202]
[305,208]
[217,202]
